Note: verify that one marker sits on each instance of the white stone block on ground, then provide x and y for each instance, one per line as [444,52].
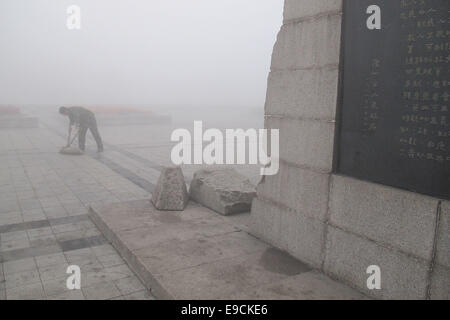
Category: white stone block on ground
[18,121]
[224,191]
[170,193]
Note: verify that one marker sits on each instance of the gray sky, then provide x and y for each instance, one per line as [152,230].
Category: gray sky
[184,52]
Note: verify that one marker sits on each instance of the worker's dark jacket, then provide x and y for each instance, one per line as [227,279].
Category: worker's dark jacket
[81,116]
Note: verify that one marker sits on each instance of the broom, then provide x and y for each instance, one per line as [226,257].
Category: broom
[72,150]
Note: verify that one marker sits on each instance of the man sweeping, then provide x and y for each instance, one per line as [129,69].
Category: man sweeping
[84,119]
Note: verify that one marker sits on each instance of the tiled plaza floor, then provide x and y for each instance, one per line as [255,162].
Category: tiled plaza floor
[44,227]
[44,201]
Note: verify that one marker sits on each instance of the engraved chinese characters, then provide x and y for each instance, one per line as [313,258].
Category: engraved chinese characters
[394,115]
[425,122]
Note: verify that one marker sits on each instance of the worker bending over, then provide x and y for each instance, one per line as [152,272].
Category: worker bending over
[84,119]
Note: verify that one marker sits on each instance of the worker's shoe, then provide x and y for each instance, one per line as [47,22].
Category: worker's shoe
[99,150]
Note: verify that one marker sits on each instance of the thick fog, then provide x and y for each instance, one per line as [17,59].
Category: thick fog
[139,52]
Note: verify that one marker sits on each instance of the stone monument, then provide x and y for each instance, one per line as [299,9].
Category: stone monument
[364,161]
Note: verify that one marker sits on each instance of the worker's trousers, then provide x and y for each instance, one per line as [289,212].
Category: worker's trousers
[92,126]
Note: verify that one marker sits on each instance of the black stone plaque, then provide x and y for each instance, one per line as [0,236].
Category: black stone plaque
[393,119]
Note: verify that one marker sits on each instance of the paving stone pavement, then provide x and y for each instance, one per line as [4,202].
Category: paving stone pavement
[44,227]
[44,201]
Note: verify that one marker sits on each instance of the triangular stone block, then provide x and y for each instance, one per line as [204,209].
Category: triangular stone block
[170,193]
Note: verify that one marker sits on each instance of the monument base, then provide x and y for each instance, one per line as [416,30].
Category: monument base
[198,254]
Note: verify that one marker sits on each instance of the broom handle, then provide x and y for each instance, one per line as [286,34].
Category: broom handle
[73,139]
